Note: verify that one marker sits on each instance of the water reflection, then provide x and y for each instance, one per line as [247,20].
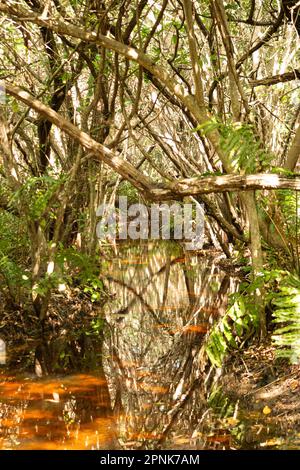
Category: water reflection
[164,306]
[62,413]
[45,403]
[140,385]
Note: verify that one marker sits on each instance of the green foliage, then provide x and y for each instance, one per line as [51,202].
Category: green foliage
[225,409]
[232,6]
[37,193]
[14,240]
[93,287]
[75,269]
[46,283]
[244,148]
[96,327]
[288,202]
[82,270]
[283,216]
[126,189]
[14,276]
[13,245]
[286,314]
[220,403]
[241,145]
[229,332]
[241,318]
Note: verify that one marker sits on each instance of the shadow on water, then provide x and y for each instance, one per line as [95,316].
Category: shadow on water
[142,382]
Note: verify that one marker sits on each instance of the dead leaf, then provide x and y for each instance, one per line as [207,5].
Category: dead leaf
[294,385]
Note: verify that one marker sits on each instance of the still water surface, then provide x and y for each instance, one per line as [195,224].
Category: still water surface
[140,384]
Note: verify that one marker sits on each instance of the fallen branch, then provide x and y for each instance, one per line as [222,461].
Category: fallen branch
[224,183]
[152,190]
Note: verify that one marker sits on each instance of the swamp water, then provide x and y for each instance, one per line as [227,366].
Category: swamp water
[141,380]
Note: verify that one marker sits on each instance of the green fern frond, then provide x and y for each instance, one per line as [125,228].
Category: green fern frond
[229,332]
[287,315]
[240,143]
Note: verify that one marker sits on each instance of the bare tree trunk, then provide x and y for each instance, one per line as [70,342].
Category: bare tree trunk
[247,198]
[294,151]
[257,258]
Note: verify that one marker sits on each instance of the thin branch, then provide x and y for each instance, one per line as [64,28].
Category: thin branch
[62,27]
[151,190]
[188,12]
[280,78]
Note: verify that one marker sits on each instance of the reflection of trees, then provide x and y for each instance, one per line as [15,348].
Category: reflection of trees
[156,364]
[153,358]
[58,412]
